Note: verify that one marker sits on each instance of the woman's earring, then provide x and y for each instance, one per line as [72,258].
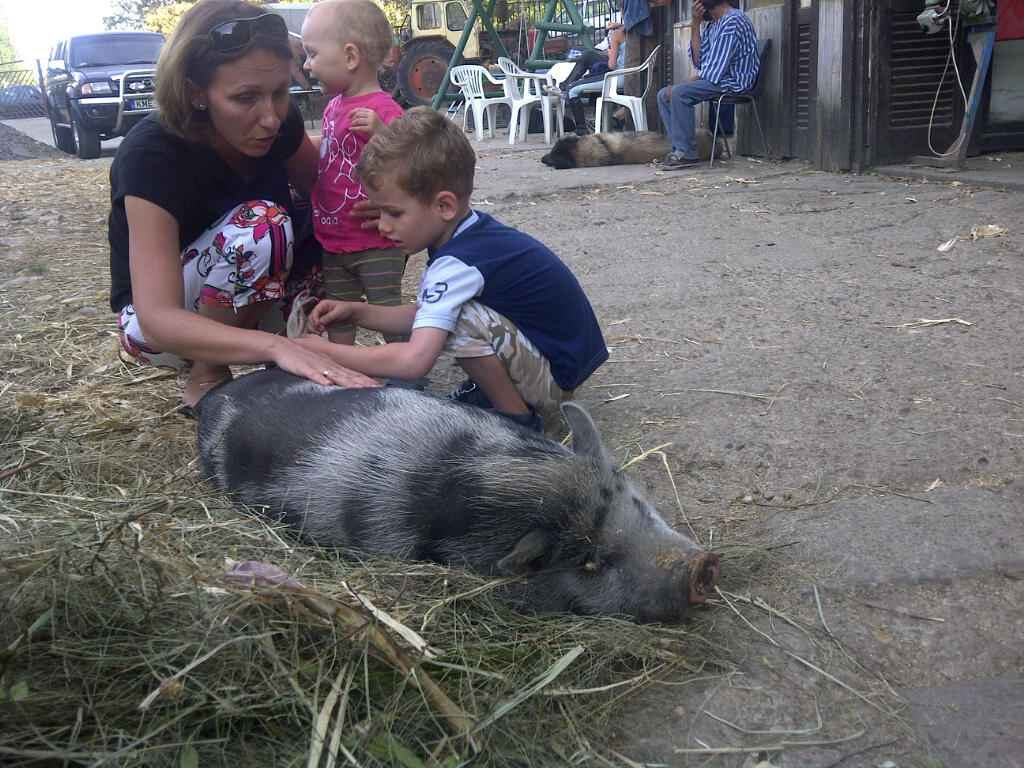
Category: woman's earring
[201,107]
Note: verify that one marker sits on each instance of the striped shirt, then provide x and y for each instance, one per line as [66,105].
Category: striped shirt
[728,53]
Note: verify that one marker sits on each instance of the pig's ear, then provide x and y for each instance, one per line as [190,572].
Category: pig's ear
[527,551]
[585,438]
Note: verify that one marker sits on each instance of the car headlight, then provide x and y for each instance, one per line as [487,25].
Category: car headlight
[95,89]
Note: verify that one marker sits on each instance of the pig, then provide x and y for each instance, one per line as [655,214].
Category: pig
[399,474]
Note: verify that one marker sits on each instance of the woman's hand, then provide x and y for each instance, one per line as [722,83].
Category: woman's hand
[292,356]
[368,212]
[330,311]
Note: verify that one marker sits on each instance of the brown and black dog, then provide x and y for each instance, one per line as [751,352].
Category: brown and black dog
[616,148]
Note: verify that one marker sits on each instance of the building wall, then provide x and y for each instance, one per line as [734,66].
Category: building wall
[771,105]
[835,86]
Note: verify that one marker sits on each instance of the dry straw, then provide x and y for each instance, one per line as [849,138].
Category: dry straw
[122,641]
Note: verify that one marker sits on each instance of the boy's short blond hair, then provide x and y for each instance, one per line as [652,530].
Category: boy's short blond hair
[424,152]
[362,23]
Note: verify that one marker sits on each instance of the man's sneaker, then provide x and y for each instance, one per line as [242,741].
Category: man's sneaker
[469,393]
[675,160]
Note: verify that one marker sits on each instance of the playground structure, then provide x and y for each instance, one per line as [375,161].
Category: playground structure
[558,25]
[435,35]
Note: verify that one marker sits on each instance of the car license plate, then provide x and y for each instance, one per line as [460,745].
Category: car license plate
[146,103]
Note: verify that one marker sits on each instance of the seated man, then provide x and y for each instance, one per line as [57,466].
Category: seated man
[725,56]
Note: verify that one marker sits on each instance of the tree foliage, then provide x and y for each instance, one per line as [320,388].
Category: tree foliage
[7,52]
[131,14]
[165,18]
[163,15]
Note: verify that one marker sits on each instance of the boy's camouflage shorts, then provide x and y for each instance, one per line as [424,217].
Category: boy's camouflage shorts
[480,332]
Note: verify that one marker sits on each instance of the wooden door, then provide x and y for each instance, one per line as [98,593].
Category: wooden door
[913,68]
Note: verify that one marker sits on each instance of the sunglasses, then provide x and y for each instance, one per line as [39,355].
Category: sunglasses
[238,33]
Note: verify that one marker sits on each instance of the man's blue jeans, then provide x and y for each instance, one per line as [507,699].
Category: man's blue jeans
[676,105]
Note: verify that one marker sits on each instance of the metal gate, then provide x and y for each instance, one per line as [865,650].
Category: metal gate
[910,99]
[20,95]
[804,69]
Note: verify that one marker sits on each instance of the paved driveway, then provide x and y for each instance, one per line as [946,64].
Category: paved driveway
[38,128]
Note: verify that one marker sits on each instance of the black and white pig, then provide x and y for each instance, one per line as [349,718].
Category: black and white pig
[399,474]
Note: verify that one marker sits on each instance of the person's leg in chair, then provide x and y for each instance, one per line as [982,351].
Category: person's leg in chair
[684,98]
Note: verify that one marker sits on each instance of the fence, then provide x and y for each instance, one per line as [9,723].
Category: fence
[20,94]
[521,15]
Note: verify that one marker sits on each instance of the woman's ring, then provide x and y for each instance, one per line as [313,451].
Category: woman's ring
[327,373]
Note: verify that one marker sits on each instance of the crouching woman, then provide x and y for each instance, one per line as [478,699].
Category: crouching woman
[201,239]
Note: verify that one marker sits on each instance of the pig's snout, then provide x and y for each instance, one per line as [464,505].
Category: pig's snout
[702,576]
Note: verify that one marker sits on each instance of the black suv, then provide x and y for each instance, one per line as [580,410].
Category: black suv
[99,86]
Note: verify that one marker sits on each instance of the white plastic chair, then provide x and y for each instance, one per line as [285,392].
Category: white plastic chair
[555,76]
[635,104]
[558,72]
[469,78]
[528,90]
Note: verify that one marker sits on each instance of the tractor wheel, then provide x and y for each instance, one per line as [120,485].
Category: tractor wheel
[388,80]
[421,70]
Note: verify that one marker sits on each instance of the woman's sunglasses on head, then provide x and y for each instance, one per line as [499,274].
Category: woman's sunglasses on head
[238,33]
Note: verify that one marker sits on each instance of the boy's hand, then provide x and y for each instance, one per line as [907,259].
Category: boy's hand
[368,212]
[328,311]
[366,121]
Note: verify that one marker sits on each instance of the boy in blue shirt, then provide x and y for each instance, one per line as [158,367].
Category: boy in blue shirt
[511,312]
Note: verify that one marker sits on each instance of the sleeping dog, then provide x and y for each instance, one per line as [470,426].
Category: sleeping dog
[616,149]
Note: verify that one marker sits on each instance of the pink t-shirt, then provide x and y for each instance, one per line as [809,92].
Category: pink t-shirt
[337,186]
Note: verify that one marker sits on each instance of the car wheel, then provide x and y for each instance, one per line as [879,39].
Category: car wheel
[62,138]
[87,143]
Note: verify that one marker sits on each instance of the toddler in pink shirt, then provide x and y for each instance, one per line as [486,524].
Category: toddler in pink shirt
[346,42]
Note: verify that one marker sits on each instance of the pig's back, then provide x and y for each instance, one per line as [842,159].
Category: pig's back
[254,428]
[380,471]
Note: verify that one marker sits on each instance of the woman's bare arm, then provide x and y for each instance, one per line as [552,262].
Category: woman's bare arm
[304,165]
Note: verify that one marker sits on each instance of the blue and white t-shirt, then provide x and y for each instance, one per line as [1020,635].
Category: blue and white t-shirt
[519,277]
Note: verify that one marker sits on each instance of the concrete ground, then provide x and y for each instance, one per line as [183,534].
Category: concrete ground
[846,396]
[843,408]
[38,129]
[1002,170]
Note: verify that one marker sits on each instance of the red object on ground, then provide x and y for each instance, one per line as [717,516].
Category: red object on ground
[1010,20]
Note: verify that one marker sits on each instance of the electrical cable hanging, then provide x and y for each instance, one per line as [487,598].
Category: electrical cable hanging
[955,146]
